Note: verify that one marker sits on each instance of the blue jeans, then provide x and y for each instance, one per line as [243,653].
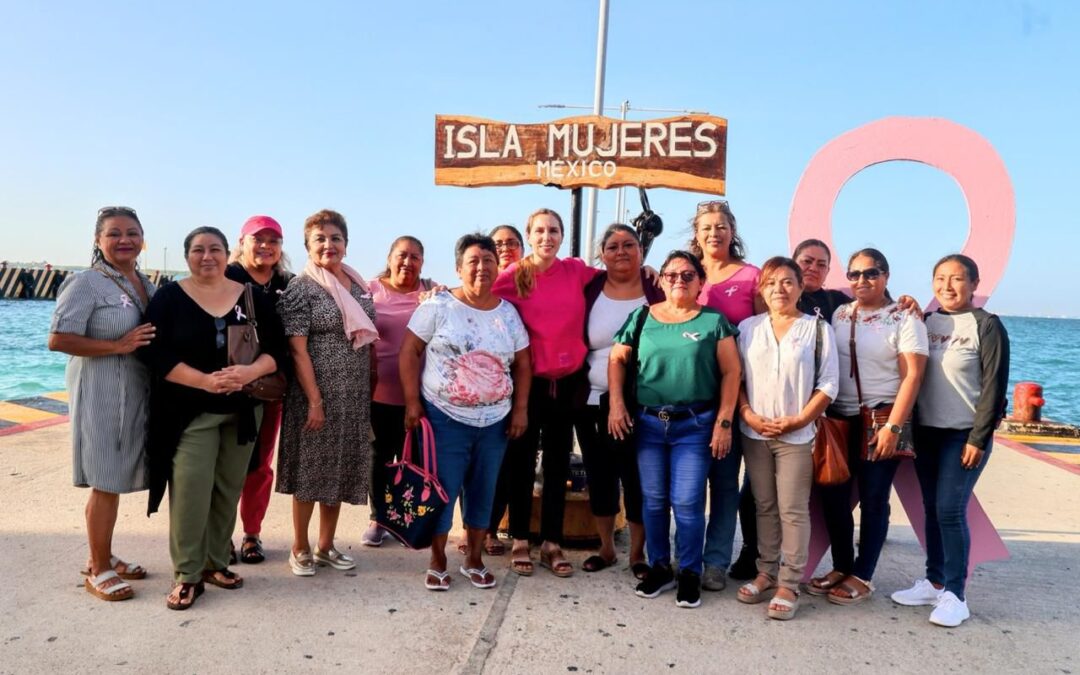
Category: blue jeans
[673,461]
[946,489]
[723,505]
[468,462]
[874,480]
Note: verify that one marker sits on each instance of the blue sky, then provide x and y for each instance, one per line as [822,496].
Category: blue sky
[206,113]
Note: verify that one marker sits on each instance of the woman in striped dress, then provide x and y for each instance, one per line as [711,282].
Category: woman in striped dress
[99,322]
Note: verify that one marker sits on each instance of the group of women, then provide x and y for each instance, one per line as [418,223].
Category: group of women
[669,379]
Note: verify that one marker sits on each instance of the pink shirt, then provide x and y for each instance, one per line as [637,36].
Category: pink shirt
[554,315]
[734,296]
[392,313]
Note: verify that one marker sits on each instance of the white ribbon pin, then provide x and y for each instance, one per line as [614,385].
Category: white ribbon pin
[731,290]
[125,301]
[691,336]
[240,316]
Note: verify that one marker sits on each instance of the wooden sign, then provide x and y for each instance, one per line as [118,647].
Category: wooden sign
[686,152]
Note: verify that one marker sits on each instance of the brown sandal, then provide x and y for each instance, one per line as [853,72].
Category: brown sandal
[557,563]
[820,586]
[223,578]
[521,561]
[751,593]
[848,594]
[188,591]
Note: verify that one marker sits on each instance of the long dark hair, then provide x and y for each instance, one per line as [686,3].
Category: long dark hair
[880,262]
[96,254]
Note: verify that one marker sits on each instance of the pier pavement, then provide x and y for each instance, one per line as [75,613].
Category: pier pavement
[380,619]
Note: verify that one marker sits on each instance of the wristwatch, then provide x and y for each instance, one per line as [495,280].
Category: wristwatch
[725,424]
[895,428]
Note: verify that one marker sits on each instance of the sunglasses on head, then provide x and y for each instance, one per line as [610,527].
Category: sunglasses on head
[706,205]
[219,339]
[686,275]
[868,274]
[106,211]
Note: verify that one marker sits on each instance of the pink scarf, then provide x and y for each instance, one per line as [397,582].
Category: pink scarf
[358,327]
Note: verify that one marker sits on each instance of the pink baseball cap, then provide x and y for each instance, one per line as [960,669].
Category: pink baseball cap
[256,224]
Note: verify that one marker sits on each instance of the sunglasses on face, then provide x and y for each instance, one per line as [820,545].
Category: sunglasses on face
[508,245]
[871,274]
[107,211]
[705,206]
[686,275]
[219,339]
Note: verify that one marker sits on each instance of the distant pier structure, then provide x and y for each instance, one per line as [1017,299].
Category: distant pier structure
[42,283]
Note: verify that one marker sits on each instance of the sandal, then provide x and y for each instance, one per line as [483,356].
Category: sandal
[129,571]
[751,593]
[232,553]
[479,577]
[521,560]
[595,563]
[99,588]
[188,591]
[493,545]
[783,609]
[223,578]
[640,570]
[820,586]
[850,594]
[251,551]
[442,582]
[554,561]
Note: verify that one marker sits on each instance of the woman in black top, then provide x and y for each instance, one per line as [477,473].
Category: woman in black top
[259,261]
[202,427]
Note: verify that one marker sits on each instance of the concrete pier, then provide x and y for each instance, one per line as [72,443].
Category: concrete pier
[381,619]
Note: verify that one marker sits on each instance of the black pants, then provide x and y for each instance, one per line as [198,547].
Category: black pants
[748,516]
[608,461]
[388,423]
[550,426]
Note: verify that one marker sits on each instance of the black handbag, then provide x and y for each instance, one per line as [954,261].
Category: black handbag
[410,506]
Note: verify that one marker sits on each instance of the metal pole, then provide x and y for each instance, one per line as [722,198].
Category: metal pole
[575,223]
[598,108]
[620,198]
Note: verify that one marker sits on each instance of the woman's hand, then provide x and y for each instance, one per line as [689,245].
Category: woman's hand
[414,410]
[316,418]
[137,337]
[761,425]
[430,293]
[240,375]
[519,422]
[721,441]
[789,423]
[220,382]
[972,457]
[883,444]
[619,424]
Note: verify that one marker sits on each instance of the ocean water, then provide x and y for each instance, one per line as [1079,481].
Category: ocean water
[1046,351]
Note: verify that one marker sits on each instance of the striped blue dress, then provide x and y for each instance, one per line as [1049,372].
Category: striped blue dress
[108,395]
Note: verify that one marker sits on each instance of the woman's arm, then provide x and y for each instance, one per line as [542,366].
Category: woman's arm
[412,348]
[911,366]
[994,357]
[727,357]
[619,421]
[79,345]
[305,375]
[521,372]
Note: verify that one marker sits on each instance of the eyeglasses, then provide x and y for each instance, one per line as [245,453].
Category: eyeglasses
[509,245]
[705,206]
[868,274]
[106,211]
[686,275]
[219,339]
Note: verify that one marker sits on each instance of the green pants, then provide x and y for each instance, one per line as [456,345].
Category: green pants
[208,474]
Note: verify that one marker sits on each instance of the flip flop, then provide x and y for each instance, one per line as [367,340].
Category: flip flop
[442,585]
[640,570]
[595,563]
[112,593]
[482,572]
[494,546]
[186,589]
[132,570]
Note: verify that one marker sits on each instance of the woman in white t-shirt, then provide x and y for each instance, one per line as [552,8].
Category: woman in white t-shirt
[474,390]
[890,356]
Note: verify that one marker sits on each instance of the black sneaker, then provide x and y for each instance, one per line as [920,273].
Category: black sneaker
[659,579]
[745,568]
[689,594]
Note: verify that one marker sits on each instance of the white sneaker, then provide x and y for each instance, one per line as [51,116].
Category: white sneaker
[922,593]
[374,536]
[950,611]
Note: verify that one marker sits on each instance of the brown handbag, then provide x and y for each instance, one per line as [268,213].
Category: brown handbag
[244,349]
[875,418]
[830,441]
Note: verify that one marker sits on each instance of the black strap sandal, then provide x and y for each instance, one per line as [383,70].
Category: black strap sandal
[595,563]
[251,551]
[231,582]
[189,592]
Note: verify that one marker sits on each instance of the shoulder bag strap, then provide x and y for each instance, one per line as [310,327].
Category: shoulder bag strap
[855,361]
[135,299]
[817,347]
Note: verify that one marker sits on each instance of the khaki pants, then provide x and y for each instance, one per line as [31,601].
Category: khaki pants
[781,475]
[207,476]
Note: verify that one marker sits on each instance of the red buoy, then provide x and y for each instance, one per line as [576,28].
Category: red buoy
[1028,402]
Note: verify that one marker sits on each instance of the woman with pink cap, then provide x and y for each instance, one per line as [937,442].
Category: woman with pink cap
[259,261]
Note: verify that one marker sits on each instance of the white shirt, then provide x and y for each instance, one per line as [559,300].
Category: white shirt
[779,375]
[605,319]
[468,356]
[880,337]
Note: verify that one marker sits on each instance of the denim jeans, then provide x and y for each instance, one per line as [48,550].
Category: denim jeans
[874,480]
[468,463]
[946,488]
[674,460]
[723,505]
